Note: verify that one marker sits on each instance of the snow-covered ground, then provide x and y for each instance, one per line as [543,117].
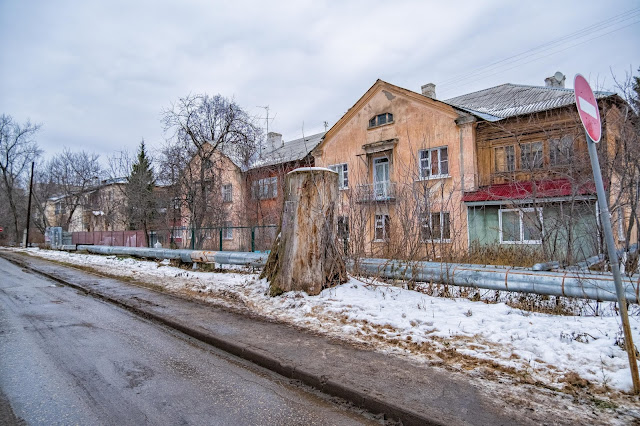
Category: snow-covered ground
[532,347]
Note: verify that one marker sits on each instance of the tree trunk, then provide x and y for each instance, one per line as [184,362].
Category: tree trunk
[305,256]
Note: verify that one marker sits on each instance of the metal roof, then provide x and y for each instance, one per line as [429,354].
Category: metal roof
[294,150]
[509,100]
[529,190]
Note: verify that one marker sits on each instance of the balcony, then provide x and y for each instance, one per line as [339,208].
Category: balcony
[379,192]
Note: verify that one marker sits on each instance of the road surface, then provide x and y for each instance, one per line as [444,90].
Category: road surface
[68,358]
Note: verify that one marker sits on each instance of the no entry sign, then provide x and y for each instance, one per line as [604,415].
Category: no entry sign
[587,108]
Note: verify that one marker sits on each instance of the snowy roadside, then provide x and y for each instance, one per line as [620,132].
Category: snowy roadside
[551,350]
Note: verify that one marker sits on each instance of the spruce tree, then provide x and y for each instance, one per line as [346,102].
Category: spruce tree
[141,205]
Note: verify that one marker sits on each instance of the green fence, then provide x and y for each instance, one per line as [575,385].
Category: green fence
[233,238]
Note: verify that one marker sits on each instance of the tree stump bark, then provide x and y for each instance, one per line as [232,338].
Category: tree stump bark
[305,256]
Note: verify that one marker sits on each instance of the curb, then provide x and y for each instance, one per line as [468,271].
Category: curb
[321,383]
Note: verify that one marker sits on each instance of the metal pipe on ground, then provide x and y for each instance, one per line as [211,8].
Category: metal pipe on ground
[570,283]
[594,260]
[561,283]
[199,256]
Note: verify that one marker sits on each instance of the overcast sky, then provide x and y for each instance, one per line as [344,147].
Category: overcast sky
[97,74]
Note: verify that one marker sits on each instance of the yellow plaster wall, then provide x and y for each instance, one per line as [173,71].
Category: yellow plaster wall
[419,123]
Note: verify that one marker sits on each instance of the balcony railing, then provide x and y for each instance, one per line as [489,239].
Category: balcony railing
[384,191]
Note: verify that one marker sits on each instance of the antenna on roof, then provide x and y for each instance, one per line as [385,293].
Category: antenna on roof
[266,108]
[326,126]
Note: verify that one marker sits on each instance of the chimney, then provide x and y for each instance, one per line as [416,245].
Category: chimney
[274,140]
[429,90]
[556,80]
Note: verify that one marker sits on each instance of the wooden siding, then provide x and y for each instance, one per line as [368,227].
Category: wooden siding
[540,127]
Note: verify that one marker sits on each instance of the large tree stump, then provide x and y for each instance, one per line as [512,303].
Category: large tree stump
[304,256]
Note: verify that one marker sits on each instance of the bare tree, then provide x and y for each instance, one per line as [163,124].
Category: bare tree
[171,163]
[200,128]
[621,165]
[43,190]
[17,150]
[73,174]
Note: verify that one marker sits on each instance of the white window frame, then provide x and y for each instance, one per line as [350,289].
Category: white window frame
[227,231]
[343,174]
[621,233]
[384,221]
[424,163]
[426,219]
[521,213]
[382,184]
[227,193]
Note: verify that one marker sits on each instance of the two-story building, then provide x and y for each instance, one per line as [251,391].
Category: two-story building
[404,160]
[229,204]
[535,184]
[97,208]
[504,167]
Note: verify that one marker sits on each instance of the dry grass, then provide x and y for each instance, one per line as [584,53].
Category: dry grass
[508,255]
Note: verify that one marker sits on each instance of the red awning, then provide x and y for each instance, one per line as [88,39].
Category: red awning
[529,190]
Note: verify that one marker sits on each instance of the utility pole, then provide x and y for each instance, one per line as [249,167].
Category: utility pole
[26,237]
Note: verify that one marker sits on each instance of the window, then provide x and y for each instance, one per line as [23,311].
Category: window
[227,193]
[176,203]
[208,186]
[381,119]
[343,232]
[343,227]
[561,151]
[520,226]
[59,207]
[382,188]
[505,158]
[382,227]
[343,175]
[227,231]
[264,188]
[621,230]
[434,163]
[531,155]
[435,226]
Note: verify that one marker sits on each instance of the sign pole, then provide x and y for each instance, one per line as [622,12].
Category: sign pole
[605,218]
[590,117]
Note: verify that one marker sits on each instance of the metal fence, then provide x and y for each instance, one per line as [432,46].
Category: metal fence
[235,238]
[110,238]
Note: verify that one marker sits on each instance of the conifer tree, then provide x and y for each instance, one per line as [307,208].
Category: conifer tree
[141,204]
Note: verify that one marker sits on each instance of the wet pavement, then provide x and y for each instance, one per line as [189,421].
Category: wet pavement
[396,386]
[67,358]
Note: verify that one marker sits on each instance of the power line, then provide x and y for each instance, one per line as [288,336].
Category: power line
[602,25]
[544,56]
[588,30]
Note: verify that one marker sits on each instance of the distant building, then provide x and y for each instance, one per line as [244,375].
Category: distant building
[98,208]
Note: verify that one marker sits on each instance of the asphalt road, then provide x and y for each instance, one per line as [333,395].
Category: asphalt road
[68,358]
